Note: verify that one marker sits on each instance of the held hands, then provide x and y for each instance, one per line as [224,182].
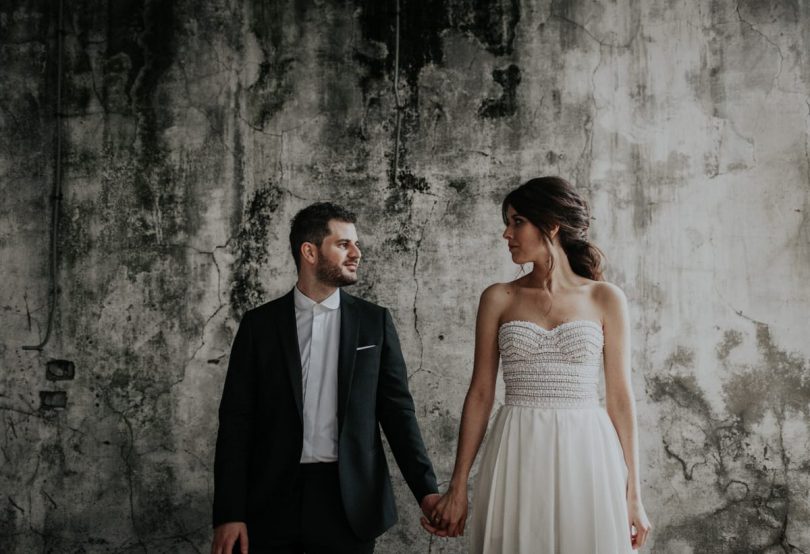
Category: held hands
[639,523]
[226,535]
[445,515]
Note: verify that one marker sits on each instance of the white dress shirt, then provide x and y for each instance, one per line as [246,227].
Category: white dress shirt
[318,338]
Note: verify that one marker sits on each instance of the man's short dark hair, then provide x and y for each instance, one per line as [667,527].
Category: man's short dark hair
[312,225]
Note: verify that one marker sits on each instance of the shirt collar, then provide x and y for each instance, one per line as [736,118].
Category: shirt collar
[304,302]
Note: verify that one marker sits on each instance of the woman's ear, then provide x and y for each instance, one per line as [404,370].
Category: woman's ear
[554,231]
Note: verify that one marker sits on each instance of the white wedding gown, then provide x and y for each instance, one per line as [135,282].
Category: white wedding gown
[552,477]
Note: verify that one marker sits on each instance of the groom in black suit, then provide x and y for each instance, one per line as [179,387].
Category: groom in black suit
[312,377]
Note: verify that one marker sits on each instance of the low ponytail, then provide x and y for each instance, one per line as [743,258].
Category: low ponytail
[585,259]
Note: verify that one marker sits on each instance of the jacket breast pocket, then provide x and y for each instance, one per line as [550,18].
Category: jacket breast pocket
[367,350]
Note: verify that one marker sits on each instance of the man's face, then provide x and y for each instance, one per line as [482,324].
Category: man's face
[339,255]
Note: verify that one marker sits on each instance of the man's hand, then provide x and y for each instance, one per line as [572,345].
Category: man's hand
[428,520]
[226,535]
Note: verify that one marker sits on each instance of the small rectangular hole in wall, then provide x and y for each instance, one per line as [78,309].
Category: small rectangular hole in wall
[50,400]
[60,370]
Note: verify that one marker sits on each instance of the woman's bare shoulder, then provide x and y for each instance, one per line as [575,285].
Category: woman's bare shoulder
[498,295]
[609,297]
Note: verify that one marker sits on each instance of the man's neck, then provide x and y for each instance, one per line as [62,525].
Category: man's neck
[314,289]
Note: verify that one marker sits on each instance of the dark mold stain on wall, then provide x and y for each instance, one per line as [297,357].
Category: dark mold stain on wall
[9,525]
[124,53]
[783,388]
[157,43]
[422,24]
[492,22]
[277,27]
[250,250]
[732,338]
[26,111]
[420,28]
[420,42]
[506,105]
[756,481]
[410,182]
[156,185]
[144,206]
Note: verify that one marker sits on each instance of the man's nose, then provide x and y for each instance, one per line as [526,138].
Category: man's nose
[354,252]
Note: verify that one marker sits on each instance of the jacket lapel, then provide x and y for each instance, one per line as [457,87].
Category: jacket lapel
[288,330]
[346,352]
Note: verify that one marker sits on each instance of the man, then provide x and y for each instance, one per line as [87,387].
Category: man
[312,376]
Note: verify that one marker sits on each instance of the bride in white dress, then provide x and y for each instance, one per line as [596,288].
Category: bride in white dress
[559,473]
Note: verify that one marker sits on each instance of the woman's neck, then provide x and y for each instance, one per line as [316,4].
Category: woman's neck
[562,276]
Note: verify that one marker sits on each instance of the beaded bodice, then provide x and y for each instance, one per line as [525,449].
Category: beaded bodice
[557,368]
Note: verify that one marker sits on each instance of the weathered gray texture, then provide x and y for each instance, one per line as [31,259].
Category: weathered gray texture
[194,130]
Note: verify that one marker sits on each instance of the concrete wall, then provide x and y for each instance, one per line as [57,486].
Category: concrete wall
[193,131]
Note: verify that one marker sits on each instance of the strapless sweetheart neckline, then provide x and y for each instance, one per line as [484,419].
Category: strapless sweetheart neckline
[553,329]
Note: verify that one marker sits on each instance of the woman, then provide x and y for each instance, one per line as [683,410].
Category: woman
[558,473]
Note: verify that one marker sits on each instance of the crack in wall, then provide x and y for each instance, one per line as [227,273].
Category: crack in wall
[766,39]
[687,471]
[555,14]
[415,273]
[584,162]
[220,303]
[125,452]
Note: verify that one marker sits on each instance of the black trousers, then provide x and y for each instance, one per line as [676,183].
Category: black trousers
[315,521]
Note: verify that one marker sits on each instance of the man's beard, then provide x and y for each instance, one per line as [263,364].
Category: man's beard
[330,274]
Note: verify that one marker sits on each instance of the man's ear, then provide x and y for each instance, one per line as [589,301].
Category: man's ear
[309,253]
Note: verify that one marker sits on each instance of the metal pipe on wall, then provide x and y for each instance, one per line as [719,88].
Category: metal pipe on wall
[56,197]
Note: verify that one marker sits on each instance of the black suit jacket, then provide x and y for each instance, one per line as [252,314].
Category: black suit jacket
[260,437]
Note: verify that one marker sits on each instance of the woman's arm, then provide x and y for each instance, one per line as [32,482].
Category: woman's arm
[619,397]
[451,511]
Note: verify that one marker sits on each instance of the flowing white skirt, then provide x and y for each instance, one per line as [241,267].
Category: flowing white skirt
[551,481]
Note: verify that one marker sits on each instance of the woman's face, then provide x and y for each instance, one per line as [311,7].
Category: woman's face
[524,239]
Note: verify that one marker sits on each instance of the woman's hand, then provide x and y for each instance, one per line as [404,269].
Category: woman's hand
[639,523]
[449,515]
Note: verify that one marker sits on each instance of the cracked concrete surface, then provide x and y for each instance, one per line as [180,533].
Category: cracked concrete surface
[194,131]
